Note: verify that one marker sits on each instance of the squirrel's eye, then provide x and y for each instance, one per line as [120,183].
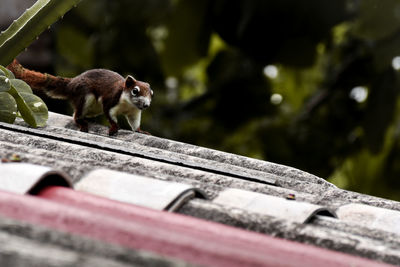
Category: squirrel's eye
[135,91]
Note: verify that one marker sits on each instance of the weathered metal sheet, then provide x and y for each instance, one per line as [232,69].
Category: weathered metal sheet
[372,217]
[138,190]
[23,178]
[292,210]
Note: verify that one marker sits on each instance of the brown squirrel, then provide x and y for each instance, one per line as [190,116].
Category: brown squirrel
[92,93]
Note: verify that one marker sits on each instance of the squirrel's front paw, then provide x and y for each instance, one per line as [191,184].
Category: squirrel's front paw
[84,129]
[143,132]
[113,131]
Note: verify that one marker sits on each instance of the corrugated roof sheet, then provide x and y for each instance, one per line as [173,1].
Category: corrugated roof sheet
[215,173]
[24,178]
[196,241]
[27,244]
[147,192]
[279,207]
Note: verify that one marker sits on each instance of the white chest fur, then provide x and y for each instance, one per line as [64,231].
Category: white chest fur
[127,108]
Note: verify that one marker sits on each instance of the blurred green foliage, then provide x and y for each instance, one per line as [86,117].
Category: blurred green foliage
[310,84]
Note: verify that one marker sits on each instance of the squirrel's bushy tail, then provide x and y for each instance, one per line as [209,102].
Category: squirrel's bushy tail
[49,84]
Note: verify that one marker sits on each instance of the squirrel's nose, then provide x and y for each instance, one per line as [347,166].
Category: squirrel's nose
[145,106]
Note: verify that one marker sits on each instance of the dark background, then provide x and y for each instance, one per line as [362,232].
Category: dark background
[310,84]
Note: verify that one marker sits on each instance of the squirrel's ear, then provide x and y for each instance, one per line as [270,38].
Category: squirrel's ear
[129,81]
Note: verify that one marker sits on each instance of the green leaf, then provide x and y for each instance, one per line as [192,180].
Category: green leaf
[7,72]
[28,26]
[5,84]
[37,107]
[33,110]
[21,86]
[2,73]
[8,108]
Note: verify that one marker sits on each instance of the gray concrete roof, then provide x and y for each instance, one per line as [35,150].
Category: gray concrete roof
[358,230]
